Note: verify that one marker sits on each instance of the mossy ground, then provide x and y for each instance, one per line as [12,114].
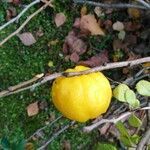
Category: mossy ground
[19,63]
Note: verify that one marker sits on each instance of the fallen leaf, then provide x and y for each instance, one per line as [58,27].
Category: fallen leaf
[118,44]
[108,24]
[98,11]
[131,39]
[77,23]
[118,26]
[16,2]
[130,26]
[74,57]
[32,109]
[88,23]
[83,11]
[121,35]
[10,13]
[74,44]
[27,38]
[66,145]
[97,60]
[39,33]
[134,13]
[60,19]
[43,105]
[29,146]
[50,64]
[53,42]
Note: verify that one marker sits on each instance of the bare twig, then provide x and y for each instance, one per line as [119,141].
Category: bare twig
[56,135]
[112,5]
[144,3]
[20,14]
[25,22]
[70,74]
[144,140]
[42,128]
[113,120]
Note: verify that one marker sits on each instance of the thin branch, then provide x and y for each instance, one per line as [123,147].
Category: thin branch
[56,135]
[70,74]
[42,128]
[25,22]
[20,14]
[144,140]
[112,5]
[144,3]
[113,120]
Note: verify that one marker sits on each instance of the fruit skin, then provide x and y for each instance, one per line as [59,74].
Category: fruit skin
[82,97]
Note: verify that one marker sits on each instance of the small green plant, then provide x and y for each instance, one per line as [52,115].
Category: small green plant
[124,94]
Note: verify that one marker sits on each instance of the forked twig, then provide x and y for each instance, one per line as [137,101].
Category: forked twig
[19,15]
[25,22]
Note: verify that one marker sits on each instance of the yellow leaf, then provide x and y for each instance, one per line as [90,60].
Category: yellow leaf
[83,11]
[134,13]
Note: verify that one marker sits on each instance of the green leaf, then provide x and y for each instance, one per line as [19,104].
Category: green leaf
[119,92]
[5,143]
[123,131]
[105,146]
[134,121]
[143,87]
[126,141]
[135,138]
[131,99]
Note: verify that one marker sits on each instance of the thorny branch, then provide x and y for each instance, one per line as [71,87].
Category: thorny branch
[113,120]
[56,75]
[26,21]
[112,5]
[19,15]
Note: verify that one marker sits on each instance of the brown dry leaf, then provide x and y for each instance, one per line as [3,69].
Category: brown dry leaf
[117,44]
[39,32]
[97,60]
[130,26]
[131,39]
[77,23]
[66,145]
[134,13]
[74,57]
[43,105]
[32,109]
[10,13]
[108,24]
[60,19]
[88,23]
[118,26]
[83,11]
[27,38]
[74,44]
